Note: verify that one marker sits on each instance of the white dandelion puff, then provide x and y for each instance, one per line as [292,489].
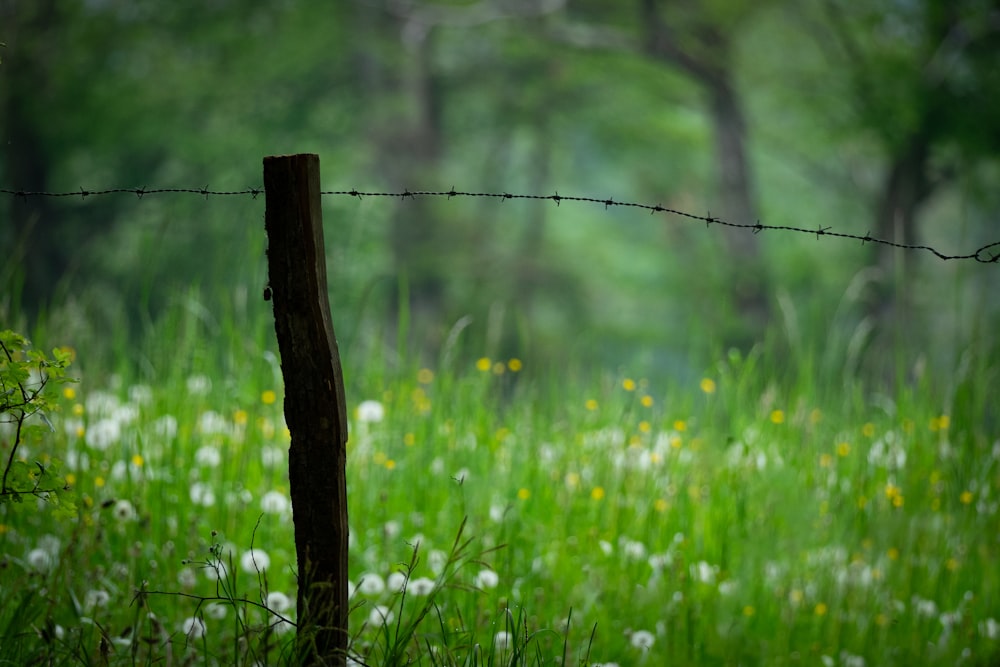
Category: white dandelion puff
[371,584]
[487,579]
[199,385]
[278,602]
[187,578]
[274,502]
[124,511]
[396,582]
[96,599]
[254,560]
[642,639]
[370,412]
[39,560]
[193,627]
[208,456]
[216,611]
[201,494]
[421,586]
[503,640]
[103,433]
[380,615]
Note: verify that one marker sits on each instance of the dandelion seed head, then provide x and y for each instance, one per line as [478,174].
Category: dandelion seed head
[199,385]
[254,560]
[96,599]
[166,427]
[216,571]
[272,456]
[487,579]
[124,511]
[370,412]
[371,584]
[278,602]
[396,582]
[642,639]
[103,433]
[39,560]
[193,627]
[274,502]
[421,586]
[212,423]
[208,456]
[436,560]
[202,494]
[380,615]
[633,549]
[502,640]
[216,611]
[186,577]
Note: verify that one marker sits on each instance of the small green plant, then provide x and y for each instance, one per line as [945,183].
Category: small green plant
[26,379]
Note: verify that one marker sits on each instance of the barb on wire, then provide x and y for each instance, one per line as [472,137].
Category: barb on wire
[987,254]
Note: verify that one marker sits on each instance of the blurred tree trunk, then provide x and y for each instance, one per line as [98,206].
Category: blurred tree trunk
[30,240]
[924,83]
[406,132]
[906,186]
[704,53]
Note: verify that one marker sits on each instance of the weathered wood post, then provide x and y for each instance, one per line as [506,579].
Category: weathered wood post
[314,402]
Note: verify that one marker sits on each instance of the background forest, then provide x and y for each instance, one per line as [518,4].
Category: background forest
[864,118]
[666,441]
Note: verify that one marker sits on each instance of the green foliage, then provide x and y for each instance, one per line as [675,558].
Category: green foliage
[27,378]
[766,507]
[571,103]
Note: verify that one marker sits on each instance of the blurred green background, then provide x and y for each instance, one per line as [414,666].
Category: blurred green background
[876,117]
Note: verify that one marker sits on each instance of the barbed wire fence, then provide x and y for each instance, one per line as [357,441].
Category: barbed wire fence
[986,254]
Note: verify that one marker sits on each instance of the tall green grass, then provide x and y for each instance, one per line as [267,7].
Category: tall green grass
[506,513]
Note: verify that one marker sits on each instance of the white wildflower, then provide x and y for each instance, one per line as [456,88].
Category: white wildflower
[212,423]
[278,602]
[371,584]
[199,385]
[642,639]
[487,579]
[380,615]
[274,502]
[166,427]
[420,586]
[201,494]
[95,599]
[436,560]
[254,560]
[124,511]
[187,578]
[704,572]
[103,433]
[39,560]
[208,456]
[369,412]
[396,582]
[193,628]
[216,611]
[502,640]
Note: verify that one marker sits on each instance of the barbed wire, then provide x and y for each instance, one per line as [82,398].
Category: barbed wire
[139,192]
[987,254]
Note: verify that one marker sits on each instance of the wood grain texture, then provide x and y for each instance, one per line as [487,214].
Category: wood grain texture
[314,402]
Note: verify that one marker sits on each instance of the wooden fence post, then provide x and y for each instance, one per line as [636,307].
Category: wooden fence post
[314,402]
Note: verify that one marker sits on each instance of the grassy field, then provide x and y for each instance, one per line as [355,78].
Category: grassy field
[755,515]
